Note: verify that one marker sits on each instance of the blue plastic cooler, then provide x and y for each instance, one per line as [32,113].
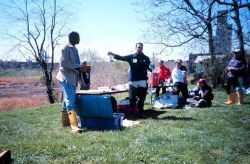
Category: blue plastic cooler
[94,106]
[103,123]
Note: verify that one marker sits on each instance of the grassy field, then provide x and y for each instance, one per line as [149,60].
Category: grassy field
[21,72]
[216,135]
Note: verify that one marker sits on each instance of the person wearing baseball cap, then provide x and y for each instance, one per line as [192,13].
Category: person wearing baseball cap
[235,72]
[203,96]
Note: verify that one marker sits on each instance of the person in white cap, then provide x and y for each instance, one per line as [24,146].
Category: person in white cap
[236,69]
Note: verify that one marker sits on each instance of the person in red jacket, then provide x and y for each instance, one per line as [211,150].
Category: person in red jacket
[164,74]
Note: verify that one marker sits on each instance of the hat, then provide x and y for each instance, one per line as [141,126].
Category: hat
[202,81]
[237,51]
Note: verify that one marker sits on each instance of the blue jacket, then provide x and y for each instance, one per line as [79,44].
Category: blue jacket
[239,68]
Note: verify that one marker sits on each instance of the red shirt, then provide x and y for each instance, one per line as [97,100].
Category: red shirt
[164,72]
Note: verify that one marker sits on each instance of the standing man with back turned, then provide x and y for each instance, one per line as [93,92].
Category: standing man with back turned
[68,75]
[139,64]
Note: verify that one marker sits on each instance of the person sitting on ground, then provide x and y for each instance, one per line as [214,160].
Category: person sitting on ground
[193,91]
[203,96]
[164,74]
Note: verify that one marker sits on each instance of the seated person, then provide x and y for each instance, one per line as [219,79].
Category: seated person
[164,74]
[203,96]
[194,91]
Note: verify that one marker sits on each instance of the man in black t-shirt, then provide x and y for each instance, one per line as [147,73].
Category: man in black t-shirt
[139,65]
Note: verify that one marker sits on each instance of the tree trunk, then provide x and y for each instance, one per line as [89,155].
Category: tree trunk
[214,70]
[48,82]
[239,32]
[50,90]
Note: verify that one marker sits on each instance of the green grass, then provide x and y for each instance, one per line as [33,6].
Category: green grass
[216,135]
[21,72]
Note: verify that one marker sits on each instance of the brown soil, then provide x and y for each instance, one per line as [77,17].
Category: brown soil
[28,89]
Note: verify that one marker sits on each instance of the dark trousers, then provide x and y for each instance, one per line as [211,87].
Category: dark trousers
[158,88]
[137,94]
[232,82]
[182,87]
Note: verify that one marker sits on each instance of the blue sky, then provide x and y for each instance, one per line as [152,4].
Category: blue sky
[103,25]
[113,25]
[109,25]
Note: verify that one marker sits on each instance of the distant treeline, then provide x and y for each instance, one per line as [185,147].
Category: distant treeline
[16,64]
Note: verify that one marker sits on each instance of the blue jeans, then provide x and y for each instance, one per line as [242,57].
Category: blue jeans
[69,95]
[239,89]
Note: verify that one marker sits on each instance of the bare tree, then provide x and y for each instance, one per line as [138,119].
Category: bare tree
[38,34]
[235,6]
[177,23]
[183,22]
[90,56]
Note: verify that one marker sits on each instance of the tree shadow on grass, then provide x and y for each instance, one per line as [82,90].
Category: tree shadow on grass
[151,113]
[218,105]
[148,113]
[184,118]
[154,114]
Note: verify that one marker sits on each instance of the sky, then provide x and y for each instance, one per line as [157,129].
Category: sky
[113,25]
[110,25]
[103,25]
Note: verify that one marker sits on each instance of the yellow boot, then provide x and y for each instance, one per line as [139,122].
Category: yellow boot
[231,99]
[240,99]
[65,118]
[74,122]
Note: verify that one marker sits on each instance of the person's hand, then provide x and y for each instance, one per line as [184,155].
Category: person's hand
[193,94]
[196,98]
[88,68]
[151,66]
[85,68]
[184,72]
[111,53]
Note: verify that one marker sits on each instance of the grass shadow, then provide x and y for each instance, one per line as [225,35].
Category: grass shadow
[151,113]
[154,114]
[183,118]
[218,105]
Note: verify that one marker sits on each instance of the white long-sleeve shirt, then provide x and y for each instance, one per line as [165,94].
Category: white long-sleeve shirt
[177,75]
